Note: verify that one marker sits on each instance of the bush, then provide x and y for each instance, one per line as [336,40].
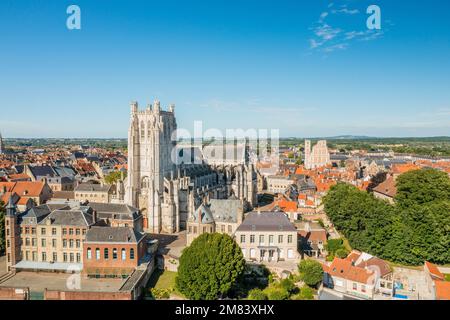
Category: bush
[160,293]
[277,293]
[307,293]
[334,244]
[287,285]
[257,294]
[342,253]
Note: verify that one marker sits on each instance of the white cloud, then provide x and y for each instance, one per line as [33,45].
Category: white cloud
[345,11]
[328,38]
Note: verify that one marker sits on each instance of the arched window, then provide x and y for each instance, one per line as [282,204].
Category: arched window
[124,254]
[114,254]
[106,253]
[142,130]
[131,254]
[97,253]
[89,253]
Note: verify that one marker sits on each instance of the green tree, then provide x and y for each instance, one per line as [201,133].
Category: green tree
[311,272]
[114,176]
[422,186]
[414,229]
[256,294]
[306,293]
[288,285]
[209,267]
[334,245]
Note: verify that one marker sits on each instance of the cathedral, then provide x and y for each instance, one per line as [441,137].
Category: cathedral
[318,156]
[168,192]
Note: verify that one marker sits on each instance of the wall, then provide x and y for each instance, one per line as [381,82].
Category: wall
[7,293]
[79,295]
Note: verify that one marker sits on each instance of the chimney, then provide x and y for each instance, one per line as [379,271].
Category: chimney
[199,216]
[94,216]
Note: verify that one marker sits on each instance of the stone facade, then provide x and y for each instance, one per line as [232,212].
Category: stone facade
[267,237]
[317,156]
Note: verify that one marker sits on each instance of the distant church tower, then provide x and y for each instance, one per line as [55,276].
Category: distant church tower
[317,156]
[150,145]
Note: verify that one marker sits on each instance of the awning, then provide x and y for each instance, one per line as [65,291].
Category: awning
[57,266]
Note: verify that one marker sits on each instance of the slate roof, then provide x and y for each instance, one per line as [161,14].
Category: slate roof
[117,211]
[40,212]
[42,171]
[70,217]
[113,234]
[225,210]
[266,221]
[65,171]
[206,214]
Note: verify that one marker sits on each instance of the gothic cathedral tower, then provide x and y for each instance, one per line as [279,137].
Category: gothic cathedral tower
[151,142]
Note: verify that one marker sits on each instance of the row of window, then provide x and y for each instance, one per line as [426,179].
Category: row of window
[355,287]
[90,195]
[43,231]
[71,243]
[262,238]
[67,257]
[123,254]
[205,229]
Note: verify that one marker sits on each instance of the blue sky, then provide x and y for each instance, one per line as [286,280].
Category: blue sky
[308,68]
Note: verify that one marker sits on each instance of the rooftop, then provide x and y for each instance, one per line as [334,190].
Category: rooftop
[266,221]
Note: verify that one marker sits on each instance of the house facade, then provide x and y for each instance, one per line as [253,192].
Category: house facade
[267,237]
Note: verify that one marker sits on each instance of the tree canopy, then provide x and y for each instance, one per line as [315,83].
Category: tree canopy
[422,186]
[114,176]
[209,267]
[311,272]
[414,229]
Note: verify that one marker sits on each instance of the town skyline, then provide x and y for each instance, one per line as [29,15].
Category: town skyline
[306,68]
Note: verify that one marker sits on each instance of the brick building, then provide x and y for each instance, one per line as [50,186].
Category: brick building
[113,251]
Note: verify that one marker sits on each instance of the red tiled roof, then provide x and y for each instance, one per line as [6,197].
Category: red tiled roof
[24,188]
[314,235]
[442,290]
[344,269]
[434,271]
[387,187]
[353,256]
[402,168]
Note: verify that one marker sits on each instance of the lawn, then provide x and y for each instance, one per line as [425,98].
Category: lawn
[163,280]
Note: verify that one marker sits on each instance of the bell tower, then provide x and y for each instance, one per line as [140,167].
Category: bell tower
[12,235]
